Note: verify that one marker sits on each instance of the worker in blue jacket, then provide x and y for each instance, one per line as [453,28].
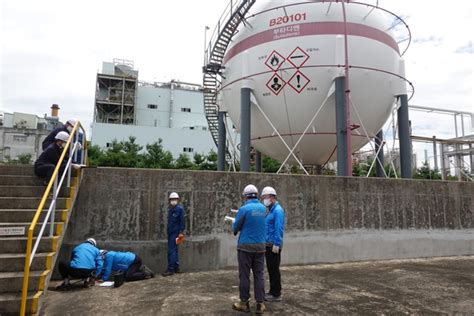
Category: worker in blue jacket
[175,229]
[250,222]
[49,158]
[86,263]
[128,262]
[275,223]
[67,128]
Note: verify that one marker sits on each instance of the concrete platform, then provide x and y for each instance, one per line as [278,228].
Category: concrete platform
[415,286]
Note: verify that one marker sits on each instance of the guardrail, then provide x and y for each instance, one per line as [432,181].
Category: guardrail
[74,143]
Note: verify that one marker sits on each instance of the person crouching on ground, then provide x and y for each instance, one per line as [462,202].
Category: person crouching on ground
[49,158]
[175,229]
[250,222]
[128,262]
[275,223]
[86,263]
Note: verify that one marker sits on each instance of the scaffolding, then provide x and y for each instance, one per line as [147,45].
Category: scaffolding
[115,94]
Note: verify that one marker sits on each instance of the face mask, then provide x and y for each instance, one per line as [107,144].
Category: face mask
[267,202]
[69,128]
[173,203]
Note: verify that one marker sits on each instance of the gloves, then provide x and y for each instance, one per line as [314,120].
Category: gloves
[229,219]
[275,249]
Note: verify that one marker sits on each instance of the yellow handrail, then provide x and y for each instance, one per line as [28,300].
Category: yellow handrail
[29,242]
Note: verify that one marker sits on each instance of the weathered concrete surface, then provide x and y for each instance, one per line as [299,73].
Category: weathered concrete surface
[420,286]
[329,219]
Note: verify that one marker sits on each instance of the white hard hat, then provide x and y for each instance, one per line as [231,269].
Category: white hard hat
[268,191]
[174,195]
[62,136]
[92,241]
[71,122]
[250,190]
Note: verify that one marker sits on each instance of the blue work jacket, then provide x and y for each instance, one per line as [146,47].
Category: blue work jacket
[275,222]
[117,261]
[250,222]
[86,256]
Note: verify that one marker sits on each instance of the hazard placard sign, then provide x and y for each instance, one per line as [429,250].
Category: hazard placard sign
[298,81]
[298,57]
[275,60]
[276,84]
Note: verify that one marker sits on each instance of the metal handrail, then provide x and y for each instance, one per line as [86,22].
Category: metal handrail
[53,183]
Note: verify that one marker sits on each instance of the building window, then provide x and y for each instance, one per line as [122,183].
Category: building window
[108,145]
[188,149]
[152,106]
[19,138]
[185,109]
[191,127]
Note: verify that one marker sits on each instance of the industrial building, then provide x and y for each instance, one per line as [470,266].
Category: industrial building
[148,111]
[23,133]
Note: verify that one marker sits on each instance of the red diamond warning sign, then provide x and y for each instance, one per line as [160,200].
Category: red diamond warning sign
[274,61]
[276,84]
[298,57]
[298,81]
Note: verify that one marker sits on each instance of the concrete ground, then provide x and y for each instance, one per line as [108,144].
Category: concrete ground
[420,286]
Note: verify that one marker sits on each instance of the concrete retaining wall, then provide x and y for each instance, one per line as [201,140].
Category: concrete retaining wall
[329,219]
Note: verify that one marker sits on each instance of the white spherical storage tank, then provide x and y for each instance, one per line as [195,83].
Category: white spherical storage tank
[289,54]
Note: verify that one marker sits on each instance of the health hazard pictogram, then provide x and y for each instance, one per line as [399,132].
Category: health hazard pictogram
[298,81]
[298,57]
[274,61]
[276,84]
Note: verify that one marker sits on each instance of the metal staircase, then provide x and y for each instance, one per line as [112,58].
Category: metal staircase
[214,53]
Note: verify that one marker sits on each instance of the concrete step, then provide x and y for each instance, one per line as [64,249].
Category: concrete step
[10,302]
[18,244]
[26,225]
[13,281]
[13,262]
[28,203]
[27,191]
[26,215]
[18,170]
[20,180]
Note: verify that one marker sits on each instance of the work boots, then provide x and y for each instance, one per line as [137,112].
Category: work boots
[242,306]
[260,308]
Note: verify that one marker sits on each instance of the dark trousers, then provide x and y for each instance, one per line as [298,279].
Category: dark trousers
[256,262]
[133,272]
[273,268]
[46,171]
[75,273]
[173,258]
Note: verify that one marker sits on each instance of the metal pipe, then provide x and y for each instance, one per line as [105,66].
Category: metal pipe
[379,165]
[258,161]
[245,129]
[221,146]
[347,92]
[456,124]
[435,153]
[471,159]
[55,194]
[341,128]
[404,138]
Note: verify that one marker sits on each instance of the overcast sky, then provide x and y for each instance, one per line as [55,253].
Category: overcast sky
[52,50]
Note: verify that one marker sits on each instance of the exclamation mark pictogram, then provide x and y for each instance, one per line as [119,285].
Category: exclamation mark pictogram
[298,79]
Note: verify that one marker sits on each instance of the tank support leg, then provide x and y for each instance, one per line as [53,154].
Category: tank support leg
[221,147]
[258,161]
[245,129]
[341,128]
[380,156]
[404,135]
